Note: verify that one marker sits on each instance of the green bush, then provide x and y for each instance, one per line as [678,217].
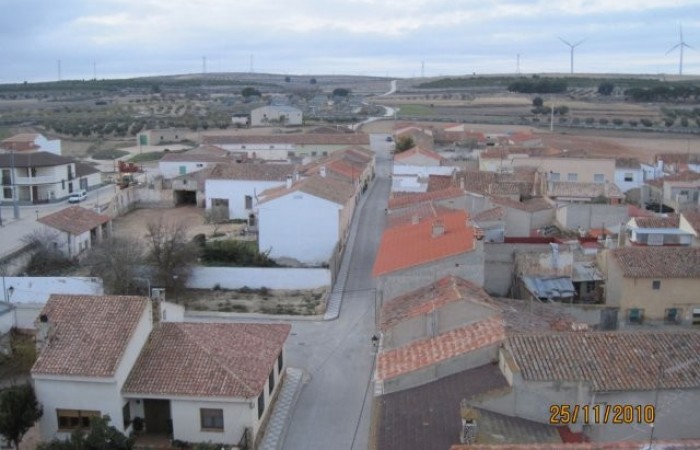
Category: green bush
[235,253]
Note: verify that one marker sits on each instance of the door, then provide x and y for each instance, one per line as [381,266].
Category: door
[608,319]
[157,418]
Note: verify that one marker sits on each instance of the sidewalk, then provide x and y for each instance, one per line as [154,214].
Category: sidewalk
[282,411]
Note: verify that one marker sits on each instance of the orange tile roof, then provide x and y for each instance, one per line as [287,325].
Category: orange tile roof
[679,444]
[75,220]
[658,262]
[681,176]
[411,245]
[426,352]
[207,359]
[420,211]
[422,197]
[447,290]
[671,221]
[90,334]
[693,218]
[439,182]
[610,361]
[417,150]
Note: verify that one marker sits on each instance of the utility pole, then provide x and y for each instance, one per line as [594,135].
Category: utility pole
[14,187]
[59,70]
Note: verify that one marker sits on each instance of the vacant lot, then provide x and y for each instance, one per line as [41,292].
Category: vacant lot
[265,301]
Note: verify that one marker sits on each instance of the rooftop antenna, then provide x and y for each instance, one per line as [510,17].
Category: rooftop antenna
[94,70]
[680,45]
[572,47]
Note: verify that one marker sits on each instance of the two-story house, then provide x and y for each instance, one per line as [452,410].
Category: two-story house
[193,382]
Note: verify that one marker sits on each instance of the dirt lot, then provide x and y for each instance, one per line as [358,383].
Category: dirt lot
[266,301]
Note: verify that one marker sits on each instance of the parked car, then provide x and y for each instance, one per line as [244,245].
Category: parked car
[78,196]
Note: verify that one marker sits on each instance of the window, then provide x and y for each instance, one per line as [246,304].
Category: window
[72,419]
[280,363]
[248,202]
[629,176]
[7,192]
[313,153]
[271,381]
[212,419]
[672,315]
[696,316]
[200,165]
[261,405]
[554,176]
[126,415]
[325,153]
[290,154]
[635,315]
[656,285]
[63,185]
[598,178]
[572,177]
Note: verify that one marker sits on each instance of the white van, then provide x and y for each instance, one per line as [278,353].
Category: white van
[78,196]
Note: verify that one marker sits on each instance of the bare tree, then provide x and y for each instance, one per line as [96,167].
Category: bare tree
[47,256]
[116,260]
[171,254]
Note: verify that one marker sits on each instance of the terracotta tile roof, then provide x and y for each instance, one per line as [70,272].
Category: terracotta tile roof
[426,352]
[658,262]
[693,218]
[417,151]
[635,211]
[419,211]
[682,176]
[82,169]
[411,245]
[671,221]
[207,359]
[583,190]
[422,301]
[36,159]
[252,171]
[327,188]
[487,183]
[679,444]
[296,139]
[610,361]
[22,137]
[440,182]
[490,215]
[422,197]
[531,205]
[671,158]
[74,220]
[90,334]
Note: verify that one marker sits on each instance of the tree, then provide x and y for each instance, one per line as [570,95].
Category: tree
[171,253]
[250,92]
[312,81]
[19,410]
[47,258]
[116,260]
[404,143]
[100,436]
[537,102]
[341,92]
[606,88]
[287,79]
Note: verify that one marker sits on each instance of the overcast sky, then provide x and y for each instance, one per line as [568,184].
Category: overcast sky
[395,38]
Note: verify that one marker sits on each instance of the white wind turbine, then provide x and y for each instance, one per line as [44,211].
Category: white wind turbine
[680,45]
[572,46]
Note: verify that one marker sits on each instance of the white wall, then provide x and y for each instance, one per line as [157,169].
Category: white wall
[637,178]
[257,277]
[7,320]
[38,289]
[299,226]
[74,393]
[46,145]
[235,191]
[187,424]
[423,171]
[172,312]
[171,169]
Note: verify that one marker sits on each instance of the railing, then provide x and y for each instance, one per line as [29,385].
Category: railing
[37,180]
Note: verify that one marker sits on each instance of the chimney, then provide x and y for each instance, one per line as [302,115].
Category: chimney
[157,297]
[323,171]
[438,228]
[44,332]
[289,181]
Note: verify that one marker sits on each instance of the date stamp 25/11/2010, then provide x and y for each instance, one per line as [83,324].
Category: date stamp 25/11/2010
[601,414]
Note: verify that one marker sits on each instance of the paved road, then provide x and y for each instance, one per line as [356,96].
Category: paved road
[333,411]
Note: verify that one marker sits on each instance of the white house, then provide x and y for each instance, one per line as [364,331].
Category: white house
[41,177]
[232,188]
[194,382]
[305,220]
[418,156]
[628,174]
[75,229]
[266,116]
[175,164]
[31,142]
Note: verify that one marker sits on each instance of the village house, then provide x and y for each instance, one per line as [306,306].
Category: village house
[305,220]
[42,177]
[192,382]
[413,254]
[161,136]
[570,169]
[75,229]
[231,189]
[452,321]
[653,284]
[174,164]
[599,373]
[678,191]
[628,174]
[583,192]
[418,156]
[30,143]
[658,230]
[526,217]
[276,115]
[354,165]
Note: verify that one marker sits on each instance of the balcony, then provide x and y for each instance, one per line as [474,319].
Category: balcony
[25,181]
